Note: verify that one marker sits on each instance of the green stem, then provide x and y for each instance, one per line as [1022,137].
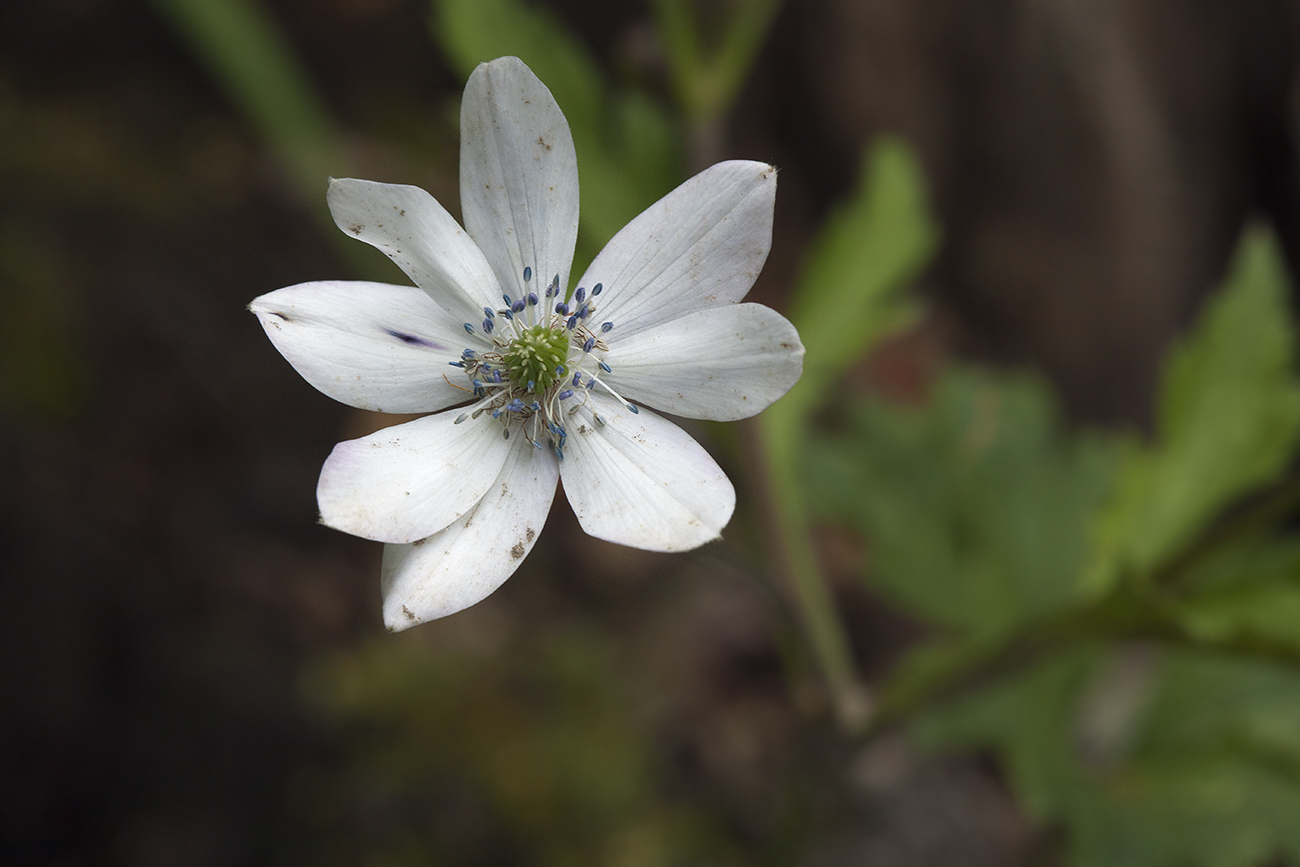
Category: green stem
[791,543]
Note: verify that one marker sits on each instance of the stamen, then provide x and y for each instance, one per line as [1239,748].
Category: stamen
[580,295]
[528,273]
[469,329]
[595,290]
[607,327]
[460,418]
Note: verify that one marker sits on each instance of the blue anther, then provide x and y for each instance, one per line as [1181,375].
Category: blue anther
[632,407]
[566,394]
[535,406]
[573,320]
[507,314]
[496,376]
[506,298]
[469,329]
[528,274]
[456,363]
[532,299]
[496,413]
[559,453]
[531,385]
[607,327]
[487,311]
[562,309]
[477,383]
[605,367]
[468,353]
[559,370]
[539,445]
[580,295]
[589,345]
[517,307]
[577,379]
[460,418]
[596,289]
[487,325]
[584,312]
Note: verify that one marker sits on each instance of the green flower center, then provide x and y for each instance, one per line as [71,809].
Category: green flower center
[533,356]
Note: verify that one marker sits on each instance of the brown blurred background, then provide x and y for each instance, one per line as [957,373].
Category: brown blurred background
[171,608]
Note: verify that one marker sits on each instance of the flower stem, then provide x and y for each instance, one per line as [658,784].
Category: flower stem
[787,519]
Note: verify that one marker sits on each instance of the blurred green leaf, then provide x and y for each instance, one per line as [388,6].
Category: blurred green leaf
[1247,591]
[627,151]
[975,507]
[1208,768]
[707,73]
[1228,421]
[851,291]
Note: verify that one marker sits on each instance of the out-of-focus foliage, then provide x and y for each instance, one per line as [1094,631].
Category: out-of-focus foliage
[1111,704]
[976,505]
[1229,415]
[1204,770]
[852,290]
[543,749]
[628,153]
[707,72]
[41,373]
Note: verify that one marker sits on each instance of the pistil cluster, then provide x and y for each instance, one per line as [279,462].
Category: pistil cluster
[546,356]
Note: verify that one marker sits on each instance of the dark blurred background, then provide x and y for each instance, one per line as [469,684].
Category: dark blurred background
[194,672]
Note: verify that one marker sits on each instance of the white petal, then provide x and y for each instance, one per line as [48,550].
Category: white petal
[700,246]
[417,233]
[460,565]
[721,364]
[370,345]
[642,481]
[409,481]
[518,175]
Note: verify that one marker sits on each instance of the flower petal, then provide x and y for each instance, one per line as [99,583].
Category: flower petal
[417,233]
[409,481]
[463,563]
[518,175]
[721,364]
[640,480]
[370,345]
[700,246]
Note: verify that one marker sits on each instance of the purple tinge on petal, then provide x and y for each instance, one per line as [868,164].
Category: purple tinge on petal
[413,339]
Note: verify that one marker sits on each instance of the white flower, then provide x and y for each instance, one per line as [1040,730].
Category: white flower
[525,385]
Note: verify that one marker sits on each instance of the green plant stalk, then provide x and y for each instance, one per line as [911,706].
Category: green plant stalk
[1125,614]
[791,542]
